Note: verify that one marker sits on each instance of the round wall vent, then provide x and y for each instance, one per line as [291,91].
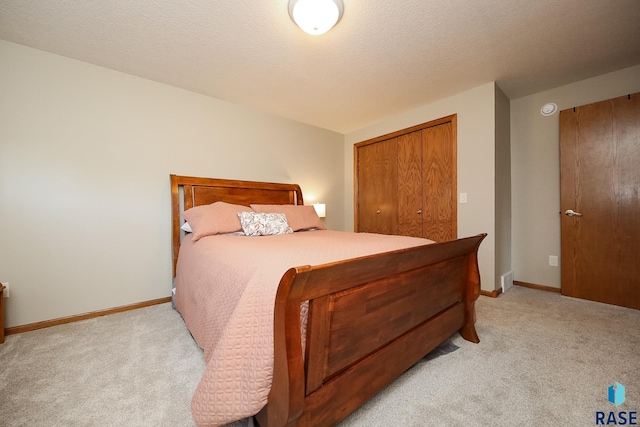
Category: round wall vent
[548,109]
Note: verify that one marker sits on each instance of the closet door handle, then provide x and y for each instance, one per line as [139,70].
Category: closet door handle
[378,212]
[419,211]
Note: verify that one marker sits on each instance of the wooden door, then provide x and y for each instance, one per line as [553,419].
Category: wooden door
[600,182]
[376,187]
[427,183]
[410,184]
[439,194]
[408,180]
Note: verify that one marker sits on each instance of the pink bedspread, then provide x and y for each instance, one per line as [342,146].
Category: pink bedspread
[225,291]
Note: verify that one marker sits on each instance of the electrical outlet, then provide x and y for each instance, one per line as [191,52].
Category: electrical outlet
[5,293]
[553,260]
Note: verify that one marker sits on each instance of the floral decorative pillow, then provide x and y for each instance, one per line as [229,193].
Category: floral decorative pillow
[264,224]
[299,217]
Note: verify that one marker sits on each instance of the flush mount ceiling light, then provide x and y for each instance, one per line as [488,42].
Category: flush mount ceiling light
[316,16]
[548,109]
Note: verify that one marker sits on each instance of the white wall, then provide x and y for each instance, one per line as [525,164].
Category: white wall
[476,164]
[535,154]
[85,158]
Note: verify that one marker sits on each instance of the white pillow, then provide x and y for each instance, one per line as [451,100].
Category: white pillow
[186,228]
[264,224]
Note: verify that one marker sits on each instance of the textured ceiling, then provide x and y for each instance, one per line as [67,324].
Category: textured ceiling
[384,57]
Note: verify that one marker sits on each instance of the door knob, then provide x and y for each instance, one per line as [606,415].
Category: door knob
[570,212]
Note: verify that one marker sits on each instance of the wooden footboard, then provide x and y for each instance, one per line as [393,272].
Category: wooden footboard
[369,321]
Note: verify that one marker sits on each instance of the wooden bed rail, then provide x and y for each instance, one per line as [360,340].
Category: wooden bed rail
[370,319]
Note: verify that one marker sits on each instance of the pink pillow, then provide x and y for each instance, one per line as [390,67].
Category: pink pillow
[299,217]
[216,218]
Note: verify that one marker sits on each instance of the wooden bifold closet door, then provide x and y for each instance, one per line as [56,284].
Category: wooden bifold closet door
[405,182]
[378,170]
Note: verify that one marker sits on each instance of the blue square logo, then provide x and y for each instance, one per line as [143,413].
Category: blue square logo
[616,394]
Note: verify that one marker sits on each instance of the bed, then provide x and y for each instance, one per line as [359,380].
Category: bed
[323,335]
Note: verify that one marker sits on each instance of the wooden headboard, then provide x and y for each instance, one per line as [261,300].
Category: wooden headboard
[204,191]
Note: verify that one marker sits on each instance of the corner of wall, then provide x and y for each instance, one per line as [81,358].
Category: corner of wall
[503,266]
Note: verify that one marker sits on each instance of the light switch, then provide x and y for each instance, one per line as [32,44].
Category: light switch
[463,197]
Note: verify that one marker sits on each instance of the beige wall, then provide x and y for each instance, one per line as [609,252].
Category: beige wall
[85,158]
[536,170]
[503,191]
[85,154]
[476,164]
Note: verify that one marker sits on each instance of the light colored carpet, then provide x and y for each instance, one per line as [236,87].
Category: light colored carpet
[543,360]
[137,368]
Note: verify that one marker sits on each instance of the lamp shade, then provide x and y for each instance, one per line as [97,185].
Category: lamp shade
[316,17]
[321,209]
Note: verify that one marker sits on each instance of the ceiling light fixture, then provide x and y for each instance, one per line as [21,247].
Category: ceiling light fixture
[316,17]
[548,109]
